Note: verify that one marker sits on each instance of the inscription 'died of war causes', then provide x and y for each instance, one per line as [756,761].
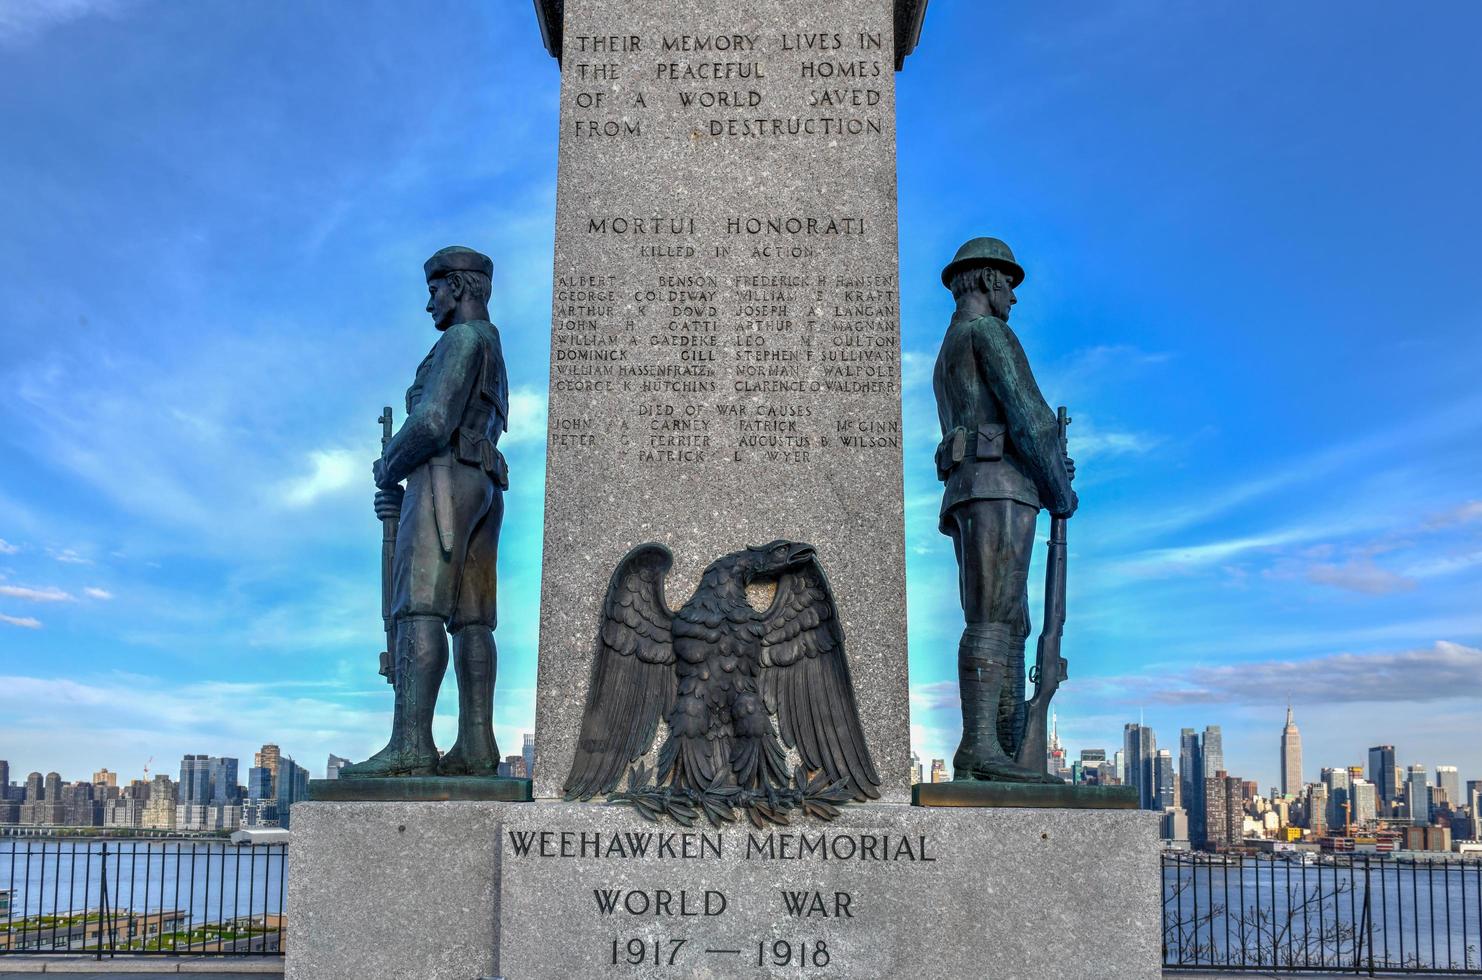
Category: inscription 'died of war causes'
[735,923]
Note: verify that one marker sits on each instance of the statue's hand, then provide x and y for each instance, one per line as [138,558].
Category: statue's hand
[1069,468]
[388,503]
[1075,502]
[378,471]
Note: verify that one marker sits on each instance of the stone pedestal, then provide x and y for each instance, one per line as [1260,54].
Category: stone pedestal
[459,891]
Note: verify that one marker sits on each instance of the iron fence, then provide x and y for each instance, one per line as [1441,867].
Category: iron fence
[142,897]
[1297,911]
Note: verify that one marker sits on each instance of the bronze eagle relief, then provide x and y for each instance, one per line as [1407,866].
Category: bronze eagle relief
[736,688]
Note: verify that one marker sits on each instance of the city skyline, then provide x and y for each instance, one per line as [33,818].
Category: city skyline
[1272,499]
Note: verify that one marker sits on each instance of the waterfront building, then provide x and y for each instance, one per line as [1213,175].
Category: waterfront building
[35,788]
[159,812]
[1175,826]
[105,777]
[4,780]
[53,786]
[1291,756]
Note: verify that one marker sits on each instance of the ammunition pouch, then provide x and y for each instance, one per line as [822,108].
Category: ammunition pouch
[475,449]
[985,444]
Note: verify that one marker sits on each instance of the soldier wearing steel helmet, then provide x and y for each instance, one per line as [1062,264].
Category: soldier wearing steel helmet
[447,543]
[1001,459]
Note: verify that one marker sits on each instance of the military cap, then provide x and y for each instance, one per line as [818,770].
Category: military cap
[984,251]
[456,258]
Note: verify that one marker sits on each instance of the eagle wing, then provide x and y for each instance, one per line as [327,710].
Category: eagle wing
[806,682]
[632,681]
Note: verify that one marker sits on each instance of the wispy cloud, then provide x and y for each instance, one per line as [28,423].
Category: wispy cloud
[93,592]
[329,471]
[69,556]
[1462,514]
[527,418]
[1360,575]
[24,622]
[48,594]
[26,21]
[1445,670]
[6,548]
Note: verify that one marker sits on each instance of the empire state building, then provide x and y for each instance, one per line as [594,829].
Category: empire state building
[1291,756]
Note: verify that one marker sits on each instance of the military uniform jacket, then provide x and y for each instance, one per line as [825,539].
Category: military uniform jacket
[458,404]
[999,437]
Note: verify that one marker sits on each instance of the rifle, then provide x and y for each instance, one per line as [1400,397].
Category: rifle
[1049,667]
[388,556]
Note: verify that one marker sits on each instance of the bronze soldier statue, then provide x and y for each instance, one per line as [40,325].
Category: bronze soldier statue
[447,540]
[1002,458]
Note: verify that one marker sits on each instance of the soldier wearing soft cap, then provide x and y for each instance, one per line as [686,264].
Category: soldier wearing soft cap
[1001,459]
[443,573]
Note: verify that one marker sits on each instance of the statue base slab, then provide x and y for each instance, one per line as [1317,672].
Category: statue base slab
[1063,796]
[462,890]
[422,789]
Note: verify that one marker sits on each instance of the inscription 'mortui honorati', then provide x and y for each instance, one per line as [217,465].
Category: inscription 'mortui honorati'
[716,672]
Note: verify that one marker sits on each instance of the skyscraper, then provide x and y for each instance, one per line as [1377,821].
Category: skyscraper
[1191,780]
[1212,752]
[1337,781]
[292,786]
[195,780]
[103,777]
[334,765]
[1417,796]
[35,788]
[1382,775]
[1449,782]
[939,771]
[1164,780]
[224,789]
[268,757]
[1140,747]
[259,783]
[1365,800]
[4,779]
[1291,757]
[527,749]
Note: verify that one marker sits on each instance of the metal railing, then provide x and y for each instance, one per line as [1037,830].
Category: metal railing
[1296,912]
[142,897]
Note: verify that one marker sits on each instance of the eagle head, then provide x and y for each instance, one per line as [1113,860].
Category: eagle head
[771,560]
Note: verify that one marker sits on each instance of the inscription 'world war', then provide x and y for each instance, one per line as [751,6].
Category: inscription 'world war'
[716,672]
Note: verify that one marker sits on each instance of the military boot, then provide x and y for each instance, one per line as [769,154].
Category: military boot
[984,660]
[421,661]
[475,661]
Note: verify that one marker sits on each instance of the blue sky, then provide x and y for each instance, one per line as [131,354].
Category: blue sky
[1251,243]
